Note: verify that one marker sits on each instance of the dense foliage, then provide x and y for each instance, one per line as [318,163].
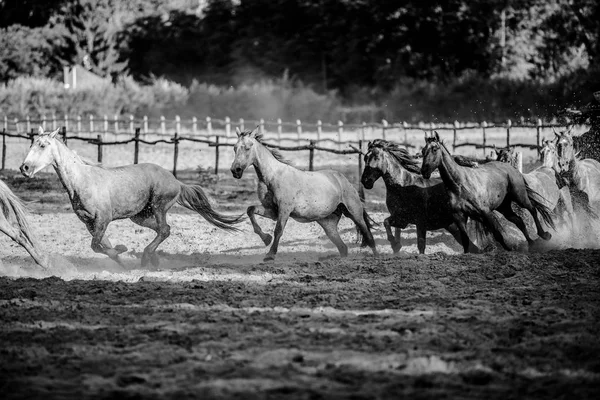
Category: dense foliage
[367,51]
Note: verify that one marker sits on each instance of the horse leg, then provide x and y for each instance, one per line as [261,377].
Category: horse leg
[421,238]
[494,226]
[395,241]
[506,210]
[101,244]
[461,223]
[455,232]
[158,223]
[329,225]
[282,219]
[264,212]
[522,199]
[355,212]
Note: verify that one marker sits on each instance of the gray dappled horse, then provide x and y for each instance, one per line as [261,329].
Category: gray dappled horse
[306,196]
[13,223]
[546,183]
[410,198]
[99,195]
[476,192]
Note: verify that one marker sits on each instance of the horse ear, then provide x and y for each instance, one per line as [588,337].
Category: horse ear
[255,131]
[40,130]
[495,150]
[53,134]
[556,134]
[570,130]
[425,135]
[437,136]
[237,131]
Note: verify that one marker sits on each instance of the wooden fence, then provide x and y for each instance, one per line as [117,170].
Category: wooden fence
[219,133]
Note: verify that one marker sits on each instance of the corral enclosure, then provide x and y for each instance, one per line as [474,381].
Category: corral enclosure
[214,321]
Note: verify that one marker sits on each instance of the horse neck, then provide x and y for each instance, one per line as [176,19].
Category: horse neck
[451,173]
[396,175]
[68,167]
[267,167]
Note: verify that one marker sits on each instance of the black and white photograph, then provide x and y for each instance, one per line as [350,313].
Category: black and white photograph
[300,199]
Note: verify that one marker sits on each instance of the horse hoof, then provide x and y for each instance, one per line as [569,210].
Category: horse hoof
[269,258]
[120,249]
[546,235]
[267,239]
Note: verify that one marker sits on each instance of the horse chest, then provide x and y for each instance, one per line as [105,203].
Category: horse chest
[266,196]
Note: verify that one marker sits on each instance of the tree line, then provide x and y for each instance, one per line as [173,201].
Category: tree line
[328,44]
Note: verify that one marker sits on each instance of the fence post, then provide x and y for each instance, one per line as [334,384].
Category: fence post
[363,131]
[209,127]
[44,121]
[136,145]
[5,123]
[131,124]
[194,126]
[91,123]
[64,135]
[145,125]
[3,148]
[508,124]
[384,128]
[520,161]
[99,142]
[340,132]
[17,125]
[319,130]
[79,125]
[105,124]
[242,124]
[66,121]
[311,155]
[483,126]
[405,126]
[163,125]
[28,125]
[261,123]
[538,130]
[116,118]
[227,126]
[279,131]
[454,137]
[217,155]
[299,128]
[361,189]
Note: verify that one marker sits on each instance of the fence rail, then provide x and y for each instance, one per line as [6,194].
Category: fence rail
[216,133]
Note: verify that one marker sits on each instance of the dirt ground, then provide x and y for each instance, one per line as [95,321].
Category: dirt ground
[214,321]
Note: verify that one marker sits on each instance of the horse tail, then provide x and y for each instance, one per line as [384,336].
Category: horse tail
[14,212]
[539,205]
[193,198]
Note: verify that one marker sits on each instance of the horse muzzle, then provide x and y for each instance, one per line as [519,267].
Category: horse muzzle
[426,173]
[237,172]
[26,170]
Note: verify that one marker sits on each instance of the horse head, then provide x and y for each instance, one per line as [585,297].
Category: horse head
[506,155]
[375,163]
[565,149]
[548,153]
[432,154]
[245,151]
[41,153]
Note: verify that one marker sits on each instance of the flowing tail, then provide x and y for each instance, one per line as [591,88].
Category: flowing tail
[359,235]
[538,203]
[193,197]
[581,200]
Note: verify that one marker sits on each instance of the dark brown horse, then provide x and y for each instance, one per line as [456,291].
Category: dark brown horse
[410,198]
[476,192]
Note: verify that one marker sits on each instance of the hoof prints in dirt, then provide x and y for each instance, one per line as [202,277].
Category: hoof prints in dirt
[474,326]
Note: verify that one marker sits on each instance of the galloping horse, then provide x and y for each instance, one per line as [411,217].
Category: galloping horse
[284,191]
[410,198]
[583,175]
[544,180]
[476,192]
[13,223]
[142,192]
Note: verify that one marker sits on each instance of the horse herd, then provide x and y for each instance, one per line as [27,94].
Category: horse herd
[466,190]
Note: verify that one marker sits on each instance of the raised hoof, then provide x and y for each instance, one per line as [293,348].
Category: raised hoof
[120,249]
[267,239]
[269,258]
[546,235]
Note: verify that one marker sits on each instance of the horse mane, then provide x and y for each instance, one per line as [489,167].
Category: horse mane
[401,155]
[463,161]
[84,160]
[260,139]
[14,210]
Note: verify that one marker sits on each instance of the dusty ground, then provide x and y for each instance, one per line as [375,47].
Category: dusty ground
[213,321]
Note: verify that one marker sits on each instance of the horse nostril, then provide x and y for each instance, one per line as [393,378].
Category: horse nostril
[24,167]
